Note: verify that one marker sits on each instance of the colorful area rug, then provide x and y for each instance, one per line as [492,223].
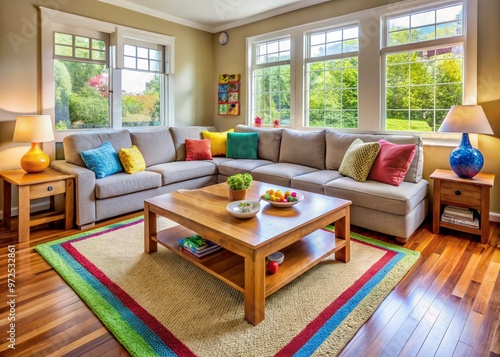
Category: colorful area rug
[161,305]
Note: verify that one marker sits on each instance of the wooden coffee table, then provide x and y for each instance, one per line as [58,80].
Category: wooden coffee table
[296,231]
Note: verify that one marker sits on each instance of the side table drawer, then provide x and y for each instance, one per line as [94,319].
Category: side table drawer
[47,189]
[461,193]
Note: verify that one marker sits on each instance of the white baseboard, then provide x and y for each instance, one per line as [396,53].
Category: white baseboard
[36,207]
[494,217]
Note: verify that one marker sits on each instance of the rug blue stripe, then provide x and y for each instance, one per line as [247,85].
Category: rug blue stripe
[334,321]
[134,321]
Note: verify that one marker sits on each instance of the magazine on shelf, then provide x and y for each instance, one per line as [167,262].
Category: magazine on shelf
[461,221]
[459,212]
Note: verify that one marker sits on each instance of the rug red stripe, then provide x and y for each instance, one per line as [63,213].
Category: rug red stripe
[149,320]
[298,341]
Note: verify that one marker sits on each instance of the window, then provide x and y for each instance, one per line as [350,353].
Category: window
[423,82]
[271,81]
[332,79]
[142,85]
[102,75]
[81,78]
[398,67]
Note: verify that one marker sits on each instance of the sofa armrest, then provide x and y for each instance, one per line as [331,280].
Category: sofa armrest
[84,191]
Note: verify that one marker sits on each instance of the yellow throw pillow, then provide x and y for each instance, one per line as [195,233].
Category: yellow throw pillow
[218,141]
[132,159]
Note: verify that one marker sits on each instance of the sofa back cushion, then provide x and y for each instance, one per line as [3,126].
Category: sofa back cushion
[268,144]
[76,143]
[305,148]
[181,133]
[338,142]
[156,145]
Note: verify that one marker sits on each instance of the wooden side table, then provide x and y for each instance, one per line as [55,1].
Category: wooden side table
[449,189]
[47,183]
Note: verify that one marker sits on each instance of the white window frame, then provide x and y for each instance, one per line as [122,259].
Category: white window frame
[255,65]
[51,19]
[309,59]
[370,67]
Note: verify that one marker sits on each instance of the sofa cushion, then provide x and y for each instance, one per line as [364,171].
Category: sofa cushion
[179,171]
[198,150]
[268,145]
[156,145]
[280,173]
[392,162]
[218,141]
[314,181]
[232,167]
[379,196]
[124,184]
[242,145]
[303,148]
[338,142]
[358,160]
[76,143]
[102,160]
[180,134]
[131,159]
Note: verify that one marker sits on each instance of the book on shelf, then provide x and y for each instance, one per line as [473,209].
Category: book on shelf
[461,221]
[205,252]
[459,212]
[198,246]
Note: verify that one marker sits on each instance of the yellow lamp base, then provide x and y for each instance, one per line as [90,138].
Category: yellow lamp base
[35,160]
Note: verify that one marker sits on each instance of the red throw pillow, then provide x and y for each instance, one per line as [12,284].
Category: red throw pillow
[198,150]
[392,162]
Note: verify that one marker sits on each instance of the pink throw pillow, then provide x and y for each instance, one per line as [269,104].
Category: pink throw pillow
[198,150]
[392,162]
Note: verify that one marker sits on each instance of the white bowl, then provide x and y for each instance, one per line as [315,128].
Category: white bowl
[235,209]
[277,257]
[299,196]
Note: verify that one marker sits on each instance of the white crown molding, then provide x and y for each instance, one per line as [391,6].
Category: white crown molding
[126,4]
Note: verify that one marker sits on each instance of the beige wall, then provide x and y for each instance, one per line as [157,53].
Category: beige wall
[231,59]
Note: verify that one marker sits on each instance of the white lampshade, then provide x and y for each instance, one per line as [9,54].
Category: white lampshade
[466,119]
[33,129]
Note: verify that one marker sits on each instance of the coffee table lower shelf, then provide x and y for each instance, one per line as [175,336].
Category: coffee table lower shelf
[229,267]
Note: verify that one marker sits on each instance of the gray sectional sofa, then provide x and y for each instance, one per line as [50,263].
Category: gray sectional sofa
[303,160]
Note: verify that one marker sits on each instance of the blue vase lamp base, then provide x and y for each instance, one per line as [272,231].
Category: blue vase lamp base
[466,161]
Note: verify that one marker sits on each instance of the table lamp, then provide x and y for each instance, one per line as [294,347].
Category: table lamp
[34,129]
[466,161]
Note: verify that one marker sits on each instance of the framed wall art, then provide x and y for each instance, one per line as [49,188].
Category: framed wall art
[228,94]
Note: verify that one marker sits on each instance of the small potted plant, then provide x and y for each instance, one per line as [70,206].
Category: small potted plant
[238,186]
[258,121]
[276,123]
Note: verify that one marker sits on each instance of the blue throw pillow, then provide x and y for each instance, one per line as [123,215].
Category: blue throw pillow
[103,160]
[242,145]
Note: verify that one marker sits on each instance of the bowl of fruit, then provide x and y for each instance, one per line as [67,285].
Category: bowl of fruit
[280,198]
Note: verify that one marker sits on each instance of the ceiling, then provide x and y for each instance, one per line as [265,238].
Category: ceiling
[213,15]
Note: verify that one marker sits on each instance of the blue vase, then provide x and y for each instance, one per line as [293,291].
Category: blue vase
[466,161]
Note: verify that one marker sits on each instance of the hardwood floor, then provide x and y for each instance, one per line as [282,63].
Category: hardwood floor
[447,305]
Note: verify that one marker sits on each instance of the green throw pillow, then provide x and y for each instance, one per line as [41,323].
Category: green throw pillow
[242,145]
[358,160]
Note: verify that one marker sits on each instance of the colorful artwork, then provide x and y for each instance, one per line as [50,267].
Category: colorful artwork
[228,94]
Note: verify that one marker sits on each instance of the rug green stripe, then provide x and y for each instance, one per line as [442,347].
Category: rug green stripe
[380,243]
[127,336]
